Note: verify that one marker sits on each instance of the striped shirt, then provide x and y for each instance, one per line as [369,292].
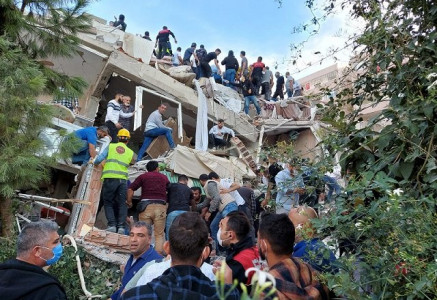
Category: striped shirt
[114,112]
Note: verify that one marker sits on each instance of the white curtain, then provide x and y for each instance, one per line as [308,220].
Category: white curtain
[202,120]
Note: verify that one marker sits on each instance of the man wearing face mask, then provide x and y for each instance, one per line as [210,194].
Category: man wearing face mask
[295,279]
[38,245]
[241,252]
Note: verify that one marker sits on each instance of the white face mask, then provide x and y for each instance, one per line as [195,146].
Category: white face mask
[220,241]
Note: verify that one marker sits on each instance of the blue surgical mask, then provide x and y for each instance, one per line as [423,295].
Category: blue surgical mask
[57,253]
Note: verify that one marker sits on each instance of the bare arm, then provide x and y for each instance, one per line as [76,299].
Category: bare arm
[218,66]
[130,193]
[92,149]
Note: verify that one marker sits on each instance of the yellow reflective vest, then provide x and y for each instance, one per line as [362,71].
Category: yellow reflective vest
[117,162]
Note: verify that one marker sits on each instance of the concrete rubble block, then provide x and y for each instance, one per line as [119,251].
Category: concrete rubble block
[229,98]
[183,74]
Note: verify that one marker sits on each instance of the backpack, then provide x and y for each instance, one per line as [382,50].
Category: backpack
[201,54]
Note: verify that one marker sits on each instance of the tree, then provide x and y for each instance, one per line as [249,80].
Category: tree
[30,33]
[386,220]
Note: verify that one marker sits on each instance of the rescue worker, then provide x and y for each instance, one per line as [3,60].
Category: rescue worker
[114,191]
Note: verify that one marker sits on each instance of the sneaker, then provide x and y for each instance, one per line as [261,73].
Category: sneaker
[111,229]
[120,230]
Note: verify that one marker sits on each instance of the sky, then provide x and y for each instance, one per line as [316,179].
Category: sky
[259,27]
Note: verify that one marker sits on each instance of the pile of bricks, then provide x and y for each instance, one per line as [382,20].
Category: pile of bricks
[244,153]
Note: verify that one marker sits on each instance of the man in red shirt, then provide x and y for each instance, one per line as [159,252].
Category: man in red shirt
[256,74]
[153,204]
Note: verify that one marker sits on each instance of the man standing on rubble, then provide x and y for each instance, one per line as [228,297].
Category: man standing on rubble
[153,205]
[206,70]
[279,87]
[154,128]
[231,64]
[113,114]
[267,83]
[244,65]
[163,41]
[256,74]
[188,53]
[217,134]
[118,158]
[292,86]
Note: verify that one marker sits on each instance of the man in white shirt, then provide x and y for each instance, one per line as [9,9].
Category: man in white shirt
[154,128]
[113,114]
[177,57]
[217,133]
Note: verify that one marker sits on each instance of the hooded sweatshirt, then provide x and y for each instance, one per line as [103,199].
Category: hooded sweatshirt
[230,62]
[24,281]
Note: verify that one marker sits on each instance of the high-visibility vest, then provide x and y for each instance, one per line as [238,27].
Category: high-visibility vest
[117,162]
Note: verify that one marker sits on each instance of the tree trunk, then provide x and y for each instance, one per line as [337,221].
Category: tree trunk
[6,217]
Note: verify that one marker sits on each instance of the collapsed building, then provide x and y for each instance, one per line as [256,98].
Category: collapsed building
[111,61]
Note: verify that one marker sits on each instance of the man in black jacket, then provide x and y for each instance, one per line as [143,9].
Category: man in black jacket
[231,64]
[248,93]
[23,278]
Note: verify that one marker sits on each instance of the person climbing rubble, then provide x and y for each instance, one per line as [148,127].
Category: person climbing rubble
[154,128]
[204,63]
[163,42]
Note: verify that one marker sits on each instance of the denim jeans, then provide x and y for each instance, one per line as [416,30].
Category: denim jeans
[149,135]
[289,93]
[155,214]
[219,216]
[230,76]
[254,100]
[170,218]
[82,156]
[114,192]
[332,186]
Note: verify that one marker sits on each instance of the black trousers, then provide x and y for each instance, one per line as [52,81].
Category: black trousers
[215,142]
[279,93]
[114,194]
[257,84]
[162,49]
[113,130]
[206,69]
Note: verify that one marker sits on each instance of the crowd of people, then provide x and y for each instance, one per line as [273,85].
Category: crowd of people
[196,231]
[250,80]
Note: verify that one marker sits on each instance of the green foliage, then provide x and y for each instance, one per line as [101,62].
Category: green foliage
[101,278]
[30,32]
[392,234]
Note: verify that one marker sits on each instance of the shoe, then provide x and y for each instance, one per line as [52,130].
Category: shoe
[120,230]
[214,148]
[111,229]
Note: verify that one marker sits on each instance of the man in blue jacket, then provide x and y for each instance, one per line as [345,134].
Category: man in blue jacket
[141,253]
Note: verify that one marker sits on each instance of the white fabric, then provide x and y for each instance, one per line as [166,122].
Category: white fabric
[202,120]
[226,183]
[156,269]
